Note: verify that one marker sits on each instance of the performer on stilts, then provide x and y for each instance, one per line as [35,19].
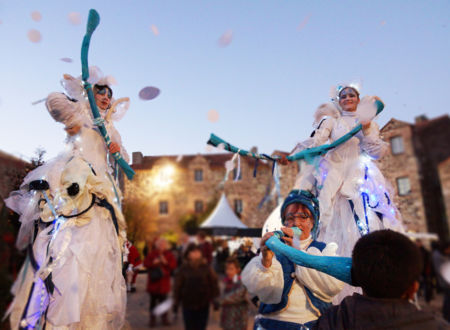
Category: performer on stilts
[71,220]
[355,198]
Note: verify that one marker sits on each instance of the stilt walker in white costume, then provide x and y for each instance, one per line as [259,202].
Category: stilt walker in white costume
[71,221]
[355,198]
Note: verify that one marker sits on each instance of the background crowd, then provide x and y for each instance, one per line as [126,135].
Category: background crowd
[200,273]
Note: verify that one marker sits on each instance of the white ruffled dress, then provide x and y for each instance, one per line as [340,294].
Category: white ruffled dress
[354,197]
[86,267]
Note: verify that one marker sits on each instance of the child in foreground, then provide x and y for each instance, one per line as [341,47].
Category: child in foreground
[234,314]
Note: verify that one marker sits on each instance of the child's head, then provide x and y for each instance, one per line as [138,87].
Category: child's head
[193,253]
[386,264]
[232,267]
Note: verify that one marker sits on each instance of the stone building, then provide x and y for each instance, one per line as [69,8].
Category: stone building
[12,170]
[444,178]
[168,189]
[416,168]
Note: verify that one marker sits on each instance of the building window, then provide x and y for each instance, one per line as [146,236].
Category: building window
[397,145]
[164,207]
[198,175]
[238,206]
[403,186]
[235,172]
[198,206]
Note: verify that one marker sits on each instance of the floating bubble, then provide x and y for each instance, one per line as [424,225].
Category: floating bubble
[154,30]
[66,59]
[304,22]
[74,18]
[382,23]
[36,16]
[213,116]
[148,93]
[229,165]
[226,38]
[34,36]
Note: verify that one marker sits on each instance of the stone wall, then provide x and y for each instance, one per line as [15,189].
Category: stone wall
[394,166]
[12,171]
[444,175]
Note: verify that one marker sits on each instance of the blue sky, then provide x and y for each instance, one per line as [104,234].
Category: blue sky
[265,84]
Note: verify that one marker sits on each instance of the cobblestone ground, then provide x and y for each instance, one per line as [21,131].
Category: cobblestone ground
[138,314]
[138,311]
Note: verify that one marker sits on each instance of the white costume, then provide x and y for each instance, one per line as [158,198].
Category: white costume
[353,194]
[268,284]
[81,251]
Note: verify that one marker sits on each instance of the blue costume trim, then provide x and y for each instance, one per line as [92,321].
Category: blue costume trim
[310,155]
[288,269]
[281,325]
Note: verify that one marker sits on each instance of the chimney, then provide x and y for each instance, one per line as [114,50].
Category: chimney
[137,157]
[421,119]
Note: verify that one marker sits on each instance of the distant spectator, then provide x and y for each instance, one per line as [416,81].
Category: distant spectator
[160,263]
[387,265]
[183,243]
[427,276]
[130,266]
[222,254]
[234,314]
[244,254]
[441,263]
[196,287]
[205,246]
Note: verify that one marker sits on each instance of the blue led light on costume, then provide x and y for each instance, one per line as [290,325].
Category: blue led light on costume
[387,197]
[57,224]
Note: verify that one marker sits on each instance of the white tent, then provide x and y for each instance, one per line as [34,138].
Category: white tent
[273,221]
[223,216]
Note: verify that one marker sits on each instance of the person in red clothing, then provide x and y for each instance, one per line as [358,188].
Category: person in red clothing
[160,263]
[132,261]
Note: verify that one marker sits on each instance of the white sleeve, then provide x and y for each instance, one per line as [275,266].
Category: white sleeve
[322,285]
[323,132]
[321,135]
[63,110]
[266,283]
[115,137]
[371,142]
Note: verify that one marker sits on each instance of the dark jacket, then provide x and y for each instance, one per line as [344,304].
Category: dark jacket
[195,287]
[361,312]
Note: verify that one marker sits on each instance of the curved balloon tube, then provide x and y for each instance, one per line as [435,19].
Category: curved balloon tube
[338,267]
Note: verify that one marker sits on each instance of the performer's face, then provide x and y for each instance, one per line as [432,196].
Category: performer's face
[298,215]
[348,99]
[103,97]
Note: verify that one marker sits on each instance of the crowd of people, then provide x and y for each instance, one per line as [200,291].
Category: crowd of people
[197,274]
[392,271]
